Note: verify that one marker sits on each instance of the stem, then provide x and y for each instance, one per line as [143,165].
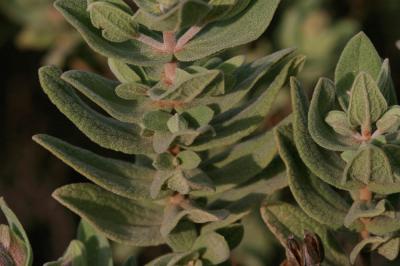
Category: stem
[151,42]
[186,37]
[169,41]
[170,73]
[365,195]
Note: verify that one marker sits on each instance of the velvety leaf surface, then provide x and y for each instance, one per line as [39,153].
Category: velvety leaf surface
[241,29]
[106,132]
[131,51]
[120,219]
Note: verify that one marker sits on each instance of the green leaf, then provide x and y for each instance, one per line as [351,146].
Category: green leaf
[162,141]
[198,116]
[122,178]
[233,234]
[314,196]
[229,33]
[97,246]
[385,83]
[360,209]
[340,123]
[251,114]
[357,249]
[225,9]
[102,92]
[369,165]
[367,103]
[189,160]
[177,124]
[183,15]
[390,121]
[384,225]
[358,55]
[156,120]
[390,249]
[285,220]
[213,247]
[174,259]
[247,76]
[116,24]
[17,229]
[325,164]
[119,219]
[322,103]
[131,51]
[133,91]
[164,162]
[182,237]
[106,132]
[124,72]
[76,254]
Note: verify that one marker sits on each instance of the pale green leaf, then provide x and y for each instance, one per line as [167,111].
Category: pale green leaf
[390,121]
[198,116]
[251,114]
[102,92]
[189,160]
[119,219]
[361,245]
[116,24]
[97,246]
[156,120]
[132,51]
[322,102]
[122,178]
[106,132]
[182,237]
[182,15]
[390,249]
[358,55]
[213,247]
[339,122]
[124,72]
[361,209]
[315,197]
[232,32]
[367,103]
[385,83]
[133,91]
[326,165]
[177,124]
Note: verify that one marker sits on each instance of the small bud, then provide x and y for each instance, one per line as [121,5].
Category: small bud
[313,249]
[294,253]
[12,249]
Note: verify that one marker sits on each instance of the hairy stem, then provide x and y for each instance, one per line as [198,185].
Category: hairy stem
[151,42]
[365,195]
[186,37]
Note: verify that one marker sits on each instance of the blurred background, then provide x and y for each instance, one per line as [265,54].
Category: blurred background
[33,34]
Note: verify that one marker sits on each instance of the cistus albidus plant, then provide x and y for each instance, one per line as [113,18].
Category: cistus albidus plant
[198,165]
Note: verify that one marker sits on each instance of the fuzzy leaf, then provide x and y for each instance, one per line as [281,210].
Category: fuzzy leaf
[367,103]
[322,102]
[225,9]
[315,197]
[250,116]
[390,249]
[360,209]
[385,83]
[325,164]
[119,219]
[116,24]
[183,15]
[119,177]
[102,92]
[369,165]
[97,246]
[213,247]
[123,72]
[284,220]
[132,91]
[339,123]
[189,160]
[358,55]
[162,141]
[390,121]
[156,120]
[198,116]
[106,132]
[383,225]
[182,237]
[17,229]
[229,33]
[177,124]
[131,51]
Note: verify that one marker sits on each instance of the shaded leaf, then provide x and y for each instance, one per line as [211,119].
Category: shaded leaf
[385,83]
[213,247]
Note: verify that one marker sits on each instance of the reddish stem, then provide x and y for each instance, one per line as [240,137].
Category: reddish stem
[186,37]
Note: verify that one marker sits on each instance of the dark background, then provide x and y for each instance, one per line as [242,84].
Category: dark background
[28,174]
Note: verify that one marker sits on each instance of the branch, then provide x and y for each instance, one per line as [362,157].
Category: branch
[185,38]
[151,42]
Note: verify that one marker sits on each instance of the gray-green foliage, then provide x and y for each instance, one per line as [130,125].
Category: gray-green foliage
[189,117]
[345,141]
